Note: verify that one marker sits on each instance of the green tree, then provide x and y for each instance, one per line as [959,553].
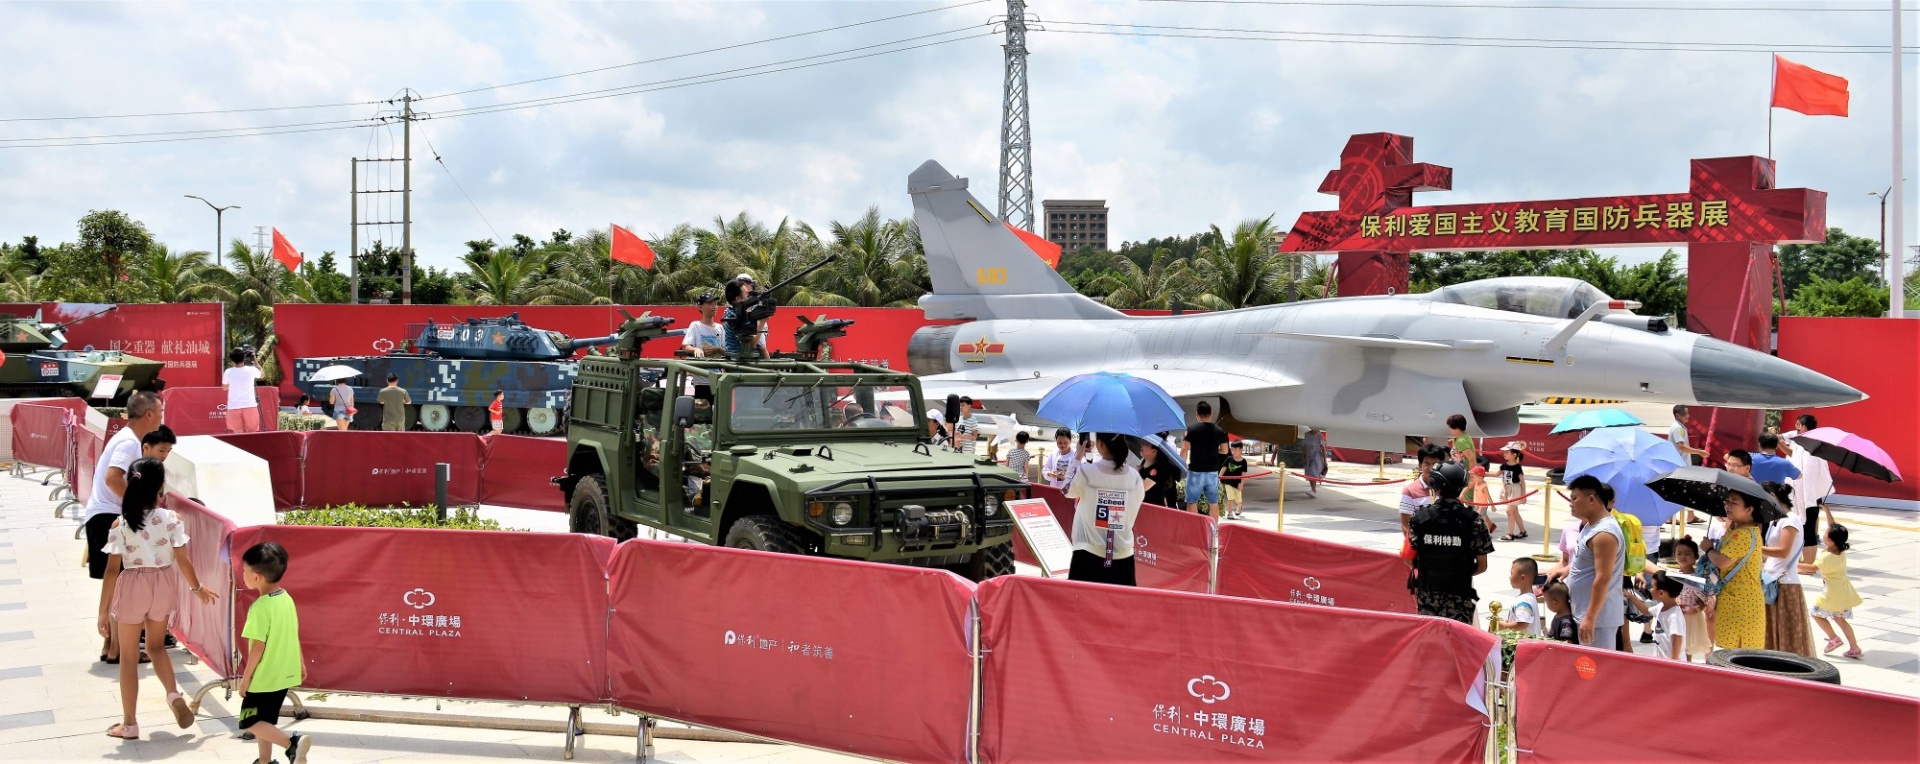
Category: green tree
[1431,270]
[877,266]
[1156,287]
[503,278]
[1824,297]
[1839,258]
[1240,270]
[1660,286]
[113,238]
[329,284]
[164,276]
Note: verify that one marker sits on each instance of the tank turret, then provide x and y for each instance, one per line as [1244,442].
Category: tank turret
[36,365]
[498,339]
[27,335]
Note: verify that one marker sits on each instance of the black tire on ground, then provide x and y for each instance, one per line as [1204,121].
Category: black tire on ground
[1776,663]
[990,562]
[588,511]
[766,533]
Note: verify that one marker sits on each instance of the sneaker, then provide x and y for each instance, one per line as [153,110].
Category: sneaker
[297,746]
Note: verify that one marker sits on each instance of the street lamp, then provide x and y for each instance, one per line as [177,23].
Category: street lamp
[218,212]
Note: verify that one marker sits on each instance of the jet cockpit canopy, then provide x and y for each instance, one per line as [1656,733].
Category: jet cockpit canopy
[1545,296]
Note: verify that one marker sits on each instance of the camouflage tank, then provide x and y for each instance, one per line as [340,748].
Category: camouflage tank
[37,366]
[451,370]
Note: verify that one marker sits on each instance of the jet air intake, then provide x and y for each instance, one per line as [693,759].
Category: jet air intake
[930,350]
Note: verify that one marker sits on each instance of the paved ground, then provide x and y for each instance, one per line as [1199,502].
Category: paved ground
[55,701]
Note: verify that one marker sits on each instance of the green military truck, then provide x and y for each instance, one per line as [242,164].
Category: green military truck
[789,454]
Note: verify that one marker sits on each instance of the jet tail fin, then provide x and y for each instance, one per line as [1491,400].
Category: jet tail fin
[979,267]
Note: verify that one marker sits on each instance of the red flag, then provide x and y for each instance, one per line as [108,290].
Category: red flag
[1807,90]
[1048,251]
[284,252]
[631,249]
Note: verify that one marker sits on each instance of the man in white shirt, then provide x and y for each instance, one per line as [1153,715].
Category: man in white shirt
[144,414]
[1677,435]
[1811,489]
[705,335]
[243,407]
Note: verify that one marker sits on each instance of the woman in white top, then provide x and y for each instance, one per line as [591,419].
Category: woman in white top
[1107,496]
[144,547]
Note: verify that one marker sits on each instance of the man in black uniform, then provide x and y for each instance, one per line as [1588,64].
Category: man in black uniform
[1450,546]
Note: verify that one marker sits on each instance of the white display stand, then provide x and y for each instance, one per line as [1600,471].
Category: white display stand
[228,481]
[1043,535]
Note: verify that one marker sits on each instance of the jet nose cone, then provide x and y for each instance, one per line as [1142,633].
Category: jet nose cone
[1725,374]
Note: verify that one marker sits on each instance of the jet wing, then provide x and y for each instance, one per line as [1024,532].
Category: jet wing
[1382,341]
[1180,383]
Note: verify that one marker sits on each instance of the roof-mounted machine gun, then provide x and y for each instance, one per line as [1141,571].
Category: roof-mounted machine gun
[634,333]
[812,336]
[743,320]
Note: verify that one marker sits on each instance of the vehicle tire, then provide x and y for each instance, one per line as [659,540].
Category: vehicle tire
[472,419]
[435,417]
[589,511]
[766,533]
[543,421]
[991,562]
[513,421]
[1776,663]
[368,418]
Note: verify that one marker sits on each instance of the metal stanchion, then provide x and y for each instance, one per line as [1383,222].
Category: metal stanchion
[1546,527]
[1382,477]
[1280,523]
[441,473]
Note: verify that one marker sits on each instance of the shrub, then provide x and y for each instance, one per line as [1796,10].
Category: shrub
[297,423]
[357,516]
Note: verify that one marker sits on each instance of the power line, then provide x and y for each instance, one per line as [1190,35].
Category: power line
[456,184]
[1744,47]
[1445,44]
[822,30]
[1538,6]
[193,113]
[368,122]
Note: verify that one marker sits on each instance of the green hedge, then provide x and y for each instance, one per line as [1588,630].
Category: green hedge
[357,516]
[297,423]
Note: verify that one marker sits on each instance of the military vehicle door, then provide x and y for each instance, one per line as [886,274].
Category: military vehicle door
[652,409]
[686,459]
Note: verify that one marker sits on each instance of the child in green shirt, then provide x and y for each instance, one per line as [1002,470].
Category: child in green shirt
[274,664]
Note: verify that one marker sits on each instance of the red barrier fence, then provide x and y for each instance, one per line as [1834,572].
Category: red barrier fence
[390,468]
[1084,672]
[87,447]
[203,410]
[462,614]
[206,629]
[1171,549]
[285,454]
[1576,704]
[847,656]
[42,435]
[518,472]
[1287,567]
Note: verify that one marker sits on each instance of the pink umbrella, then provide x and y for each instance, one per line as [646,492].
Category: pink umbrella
[1850,451]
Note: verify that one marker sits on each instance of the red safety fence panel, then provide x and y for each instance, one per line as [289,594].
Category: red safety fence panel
[195,410]
[42,435]
[86,460]
[1580,704]
[846,656]
[205,628]
[390,468]
[1173,549]
[489,615]
[518,472]
[1062,509]
[1088,672]
[269,408]
[1287,567]
[283,452]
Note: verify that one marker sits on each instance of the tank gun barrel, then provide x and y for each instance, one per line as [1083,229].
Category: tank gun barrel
[591,342]
[96,314]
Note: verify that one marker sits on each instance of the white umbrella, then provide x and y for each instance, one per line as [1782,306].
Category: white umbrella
[334,373]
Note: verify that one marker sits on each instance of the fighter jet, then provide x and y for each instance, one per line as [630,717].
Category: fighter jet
[1371,370]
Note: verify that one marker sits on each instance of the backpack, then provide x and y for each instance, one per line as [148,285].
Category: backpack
[1636,542]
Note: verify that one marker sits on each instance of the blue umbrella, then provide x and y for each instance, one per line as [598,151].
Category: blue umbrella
[1167,452]
[1595,419]
[1627,458]
[1113,403]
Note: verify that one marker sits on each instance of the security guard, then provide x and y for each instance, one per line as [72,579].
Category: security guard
[1450,546]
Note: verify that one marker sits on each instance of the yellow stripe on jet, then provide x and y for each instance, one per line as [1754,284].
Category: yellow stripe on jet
[1560,401]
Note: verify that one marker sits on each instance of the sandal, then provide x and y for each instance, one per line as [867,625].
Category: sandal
[1854,654]
[1832,643]
[182,715]
[124,731]
[1511,537]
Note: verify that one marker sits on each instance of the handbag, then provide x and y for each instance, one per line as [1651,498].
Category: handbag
[1770,587]
[1706,569]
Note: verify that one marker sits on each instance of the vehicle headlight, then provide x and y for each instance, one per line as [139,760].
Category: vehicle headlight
[842,513]
[992,505]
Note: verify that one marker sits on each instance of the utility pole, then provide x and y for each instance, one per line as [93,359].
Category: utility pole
[1896,281]
[406,197]
[353,254]
[218,228]
[1016,135]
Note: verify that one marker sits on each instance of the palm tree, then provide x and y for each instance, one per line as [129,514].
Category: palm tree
[18,283]
[250,285]
[163,276]
[679,273]
[880,263]
[1241,270]
[1164,281]
[503,278]
[743,245]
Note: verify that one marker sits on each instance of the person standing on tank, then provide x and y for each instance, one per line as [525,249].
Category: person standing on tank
[394,401]
[243,405]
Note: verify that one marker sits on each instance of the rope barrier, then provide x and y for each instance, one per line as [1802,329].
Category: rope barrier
[1522,497]
[1342,482]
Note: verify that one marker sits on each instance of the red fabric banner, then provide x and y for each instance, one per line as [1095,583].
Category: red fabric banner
[202,627]
[491,615]
[42,435]
[195,410]
[1861,352]
[1173,549]
[1087,672]
[517,472]
[189,336]
[283,452]
[1287,567]
[381,469]
[751,641]
[1572,704]
[1808,90]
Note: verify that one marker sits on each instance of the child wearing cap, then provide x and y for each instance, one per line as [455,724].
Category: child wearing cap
[1232,473]
[1513,485]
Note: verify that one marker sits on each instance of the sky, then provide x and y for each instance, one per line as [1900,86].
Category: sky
[1176,131]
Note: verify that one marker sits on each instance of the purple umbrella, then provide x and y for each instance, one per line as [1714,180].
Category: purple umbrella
[1850,451]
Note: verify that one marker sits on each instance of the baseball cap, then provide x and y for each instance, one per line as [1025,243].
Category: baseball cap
[935,415]
[1515,445]
[746,277]
[706,298]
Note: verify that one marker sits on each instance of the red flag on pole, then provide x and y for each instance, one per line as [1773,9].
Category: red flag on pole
[631,249]
[284,252]
[1807,90]
[1048,251]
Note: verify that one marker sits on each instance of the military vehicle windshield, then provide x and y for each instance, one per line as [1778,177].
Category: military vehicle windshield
[1547,296]
[816,406]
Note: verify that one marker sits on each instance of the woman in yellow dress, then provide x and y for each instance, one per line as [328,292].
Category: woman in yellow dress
[1740,612]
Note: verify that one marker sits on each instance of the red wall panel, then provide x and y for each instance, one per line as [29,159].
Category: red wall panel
[389,468]
[518,472]
[189,336]
[284,453]
[1877,356]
